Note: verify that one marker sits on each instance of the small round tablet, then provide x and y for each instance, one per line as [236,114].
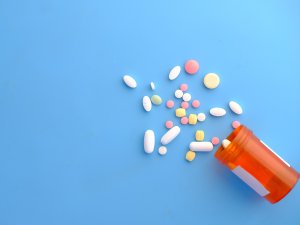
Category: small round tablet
[211,80]
[184,120]
[191,66]
[235,124]
[186,97]
[162,150]
[215,140]
[184,87]
[170,104]
[195,104]
[169,124]
[178,93]
[201,117]
[184,105]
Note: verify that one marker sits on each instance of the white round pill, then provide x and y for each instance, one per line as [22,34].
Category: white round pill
[130,81]
[174,73]
[217,111]
[235,107]
[201,117]
[186,97]
[162,150]
[178,93]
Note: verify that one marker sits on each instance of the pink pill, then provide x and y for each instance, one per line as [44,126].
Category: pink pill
[195,103]
[191,66]
[215,140]
[235,124]
[184,120]
[169,124]
[184,105]
[170,104]
[184,87]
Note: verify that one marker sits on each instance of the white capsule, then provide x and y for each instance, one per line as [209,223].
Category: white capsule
[186,97]
[235,107]
[217,111]
[149,141]
[129,81]
[147,104]
[174,73]
[201,146]
[178,93]
[201,117]
[225,143]
[170,135]
[162,150]
[152,85]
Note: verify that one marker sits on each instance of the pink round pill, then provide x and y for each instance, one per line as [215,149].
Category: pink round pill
[184,87]
[195,103]
[191,66]
[215,140]
[169,124]
[235,124]
[184,120]
[184,105]
[170,104]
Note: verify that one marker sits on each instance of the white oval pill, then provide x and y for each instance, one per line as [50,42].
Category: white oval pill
[149,141]
[201,146]
[147,104]
[178,93]
[225,143]
[174,73]
[186,97]
[162,150]
[152,85]
[235,107]
[170,135]
[217,111]
[201,117]
[129,81]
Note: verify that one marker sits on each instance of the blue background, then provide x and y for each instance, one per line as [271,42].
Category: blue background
[71,133]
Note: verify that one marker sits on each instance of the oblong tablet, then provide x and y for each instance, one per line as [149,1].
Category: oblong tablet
[130,81]
[235,107]
[149,141]
[202,146]
[147,104]
[170,135]
[217,111]
[174,73]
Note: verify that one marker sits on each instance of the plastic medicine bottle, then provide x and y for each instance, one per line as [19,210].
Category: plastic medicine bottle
[257,165]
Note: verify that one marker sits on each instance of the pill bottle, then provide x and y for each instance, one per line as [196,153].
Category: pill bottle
[257,165]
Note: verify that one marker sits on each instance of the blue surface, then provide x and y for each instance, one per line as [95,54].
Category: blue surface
[71,133]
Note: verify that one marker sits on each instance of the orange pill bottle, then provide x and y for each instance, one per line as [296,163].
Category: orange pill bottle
[257,165]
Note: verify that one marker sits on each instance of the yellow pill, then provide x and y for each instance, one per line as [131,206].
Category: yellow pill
[199,135]
[190,156]
[193,119]
[211,80]
[180,112]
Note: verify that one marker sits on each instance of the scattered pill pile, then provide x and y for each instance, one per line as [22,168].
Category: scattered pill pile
[210,81]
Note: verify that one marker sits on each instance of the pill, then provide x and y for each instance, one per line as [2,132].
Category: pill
[235,107]
[201,146]
[170,104]
[186,97]
[180,112]
[191,66]
[199,135]
[211,80]
[184,105]
[201,117]
[170,135]
[184,87]
[195,104]
[130,81]
[174,73]
[217,111]
[152,86]
[147,103]
[162,150]
[156,100]
[235,124]
[225,143]
[184,120]
[149,141]
[193,119]
[178,93]
[190,156]
[169,124]
[215,140]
